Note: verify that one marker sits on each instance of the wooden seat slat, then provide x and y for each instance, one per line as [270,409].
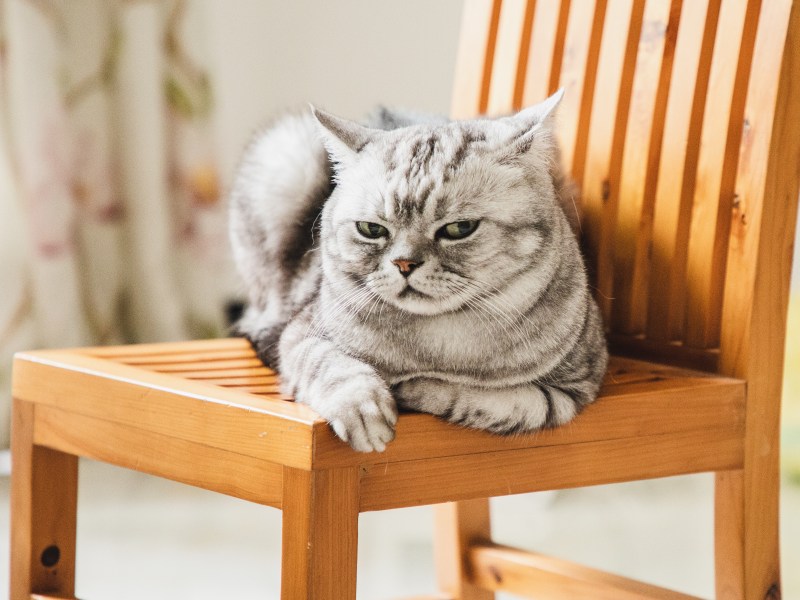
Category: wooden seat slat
[265,390]
[165,348]
[206,365]
[173,359]
[215,374]
[243,381]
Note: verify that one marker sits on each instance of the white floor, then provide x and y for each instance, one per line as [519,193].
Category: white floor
[142,537]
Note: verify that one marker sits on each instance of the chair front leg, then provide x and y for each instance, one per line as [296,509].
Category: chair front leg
[44,504]
[320,534]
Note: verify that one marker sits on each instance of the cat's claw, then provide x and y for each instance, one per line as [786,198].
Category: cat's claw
[363,413]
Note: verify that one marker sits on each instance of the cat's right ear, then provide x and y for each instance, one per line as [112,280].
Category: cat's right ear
[343,139]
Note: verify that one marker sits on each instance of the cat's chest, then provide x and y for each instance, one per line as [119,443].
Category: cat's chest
[452,344]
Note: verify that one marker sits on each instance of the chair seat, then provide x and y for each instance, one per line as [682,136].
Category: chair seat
[209,413]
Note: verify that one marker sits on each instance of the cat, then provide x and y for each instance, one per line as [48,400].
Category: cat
[421,263]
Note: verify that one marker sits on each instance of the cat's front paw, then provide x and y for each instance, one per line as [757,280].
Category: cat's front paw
[363,413]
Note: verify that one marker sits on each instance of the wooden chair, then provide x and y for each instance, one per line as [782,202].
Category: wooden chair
[681,124]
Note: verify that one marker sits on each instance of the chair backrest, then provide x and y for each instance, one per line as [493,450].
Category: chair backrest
[681,126]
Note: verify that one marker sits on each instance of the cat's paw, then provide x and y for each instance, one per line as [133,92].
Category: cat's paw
[363,413]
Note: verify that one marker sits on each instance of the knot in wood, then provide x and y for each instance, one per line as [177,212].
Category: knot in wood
[495,572]
[606,190]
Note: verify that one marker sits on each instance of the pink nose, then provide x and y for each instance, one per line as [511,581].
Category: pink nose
[406,266]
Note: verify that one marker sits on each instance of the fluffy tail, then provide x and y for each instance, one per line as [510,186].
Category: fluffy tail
[278,192]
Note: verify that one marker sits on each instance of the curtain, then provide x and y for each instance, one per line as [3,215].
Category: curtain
[112,229]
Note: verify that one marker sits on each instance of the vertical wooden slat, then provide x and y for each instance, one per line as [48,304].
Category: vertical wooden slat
[683,120]
[475,58]
[716,170]
[458,525]
[44,497]
[320,534]
[640,163]
[510,56]
[609,118]
[578,74]
[546,50]
[759,255]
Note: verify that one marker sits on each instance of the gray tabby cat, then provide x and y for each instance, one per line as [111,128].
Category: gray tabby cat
[438,273]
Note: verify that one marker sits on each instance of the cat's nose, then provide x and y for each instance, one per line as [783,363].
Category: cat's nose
[406,266]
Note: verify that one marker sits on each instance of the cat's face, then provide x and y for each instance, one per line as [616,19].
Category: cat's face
[429,218]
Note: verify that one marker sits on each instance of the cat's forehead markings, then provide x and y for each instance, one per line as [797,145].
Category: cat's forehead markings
[419,165]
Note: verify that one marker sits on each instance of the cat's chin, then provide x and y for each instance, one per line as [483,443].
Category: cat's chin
[423,305]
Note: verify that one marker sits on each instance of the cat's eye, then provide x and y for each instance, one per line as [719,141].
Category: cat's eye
[371,230]
[457,230]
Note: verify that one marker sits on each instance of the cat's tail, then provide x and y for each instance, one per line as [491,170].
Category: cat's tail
[279,189]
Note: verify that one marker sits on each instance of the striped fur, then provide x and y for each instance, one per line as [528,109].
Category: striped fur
[495,331]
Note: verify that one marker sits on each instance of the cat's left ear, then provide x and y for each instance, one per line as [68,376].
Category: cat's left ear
[343,139]
[532,124]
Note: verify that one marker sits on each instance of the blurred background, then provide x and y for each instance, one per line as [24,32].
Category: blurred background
[121,123]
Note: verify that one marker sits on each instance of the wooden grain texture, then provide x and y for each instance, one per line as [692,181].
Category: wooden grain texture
[756,294]
[675,187]
[578,77]
[475,57]
[44,496]
[162,455]
[601,179]
[269,429]
[534,575]
[320,534]
[640,157]
[490,474]
[716,171]
[459,525]
[546,50]
[510,56]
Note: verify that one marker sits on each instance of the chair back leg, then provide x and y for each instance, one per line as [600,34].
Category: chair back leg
[459,525]
[320,534]
[747,557]
[44,504]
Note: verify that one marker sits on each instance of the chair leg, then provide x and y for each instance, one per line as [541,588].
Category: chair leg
[458,525]
[44,503]
[747,559]
[320,534]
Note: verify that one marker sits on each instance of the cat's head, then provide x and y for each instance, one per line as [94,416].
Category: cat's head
[431,217]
